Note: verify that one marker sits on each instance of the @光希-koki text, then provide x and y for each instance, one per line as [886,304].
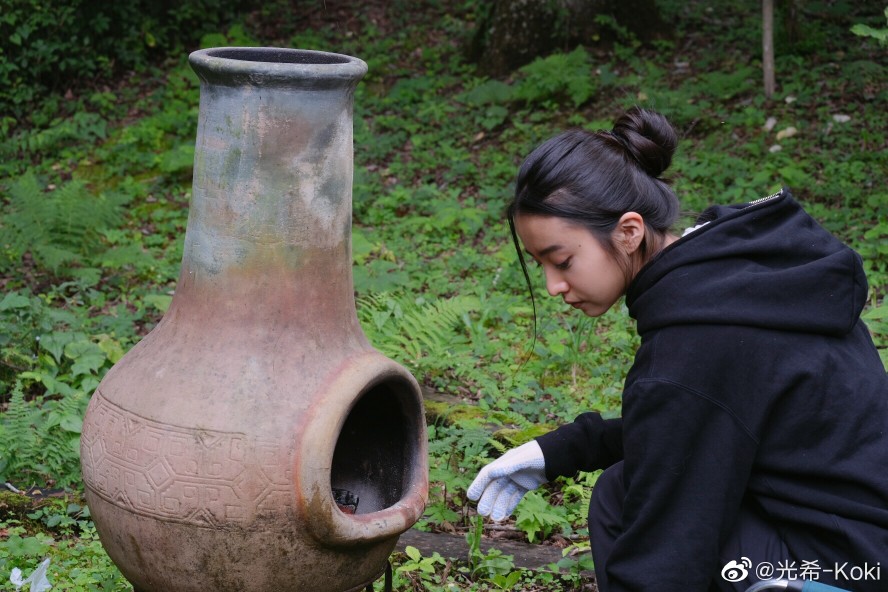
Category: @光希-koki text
[739,570]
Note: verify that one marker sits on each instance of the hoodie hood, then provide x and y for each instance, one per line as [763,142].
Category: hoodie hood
[764,264]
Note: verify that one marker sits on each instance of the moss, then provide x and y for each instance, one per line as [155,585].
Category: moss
[449,413]
[517,436]
[15,506]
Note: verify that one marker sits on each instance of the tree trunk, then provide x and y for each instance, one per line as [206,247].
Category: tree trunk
[791,21]
[768,46]
[512,33]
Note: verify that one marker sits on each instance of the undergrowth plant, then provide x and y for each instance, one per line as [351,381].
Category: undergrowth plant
[428,337]
[77,560]
[60,227]
[42,439]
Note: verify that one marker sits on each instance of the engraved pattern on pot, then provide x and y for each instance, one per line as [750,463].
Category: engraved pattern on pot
[175,474]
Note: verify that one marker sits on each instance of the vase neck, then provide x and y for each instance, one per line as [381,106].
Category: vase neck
[272,191]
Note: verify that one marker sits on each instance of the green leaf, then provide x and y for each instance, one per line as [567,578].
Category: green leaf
[55,344]
[160,302]
[413,553]
[179,159]
[507,582]
[53,520]
[53,385]
[213,40]
[362,248]
[88,357]
[111,348]
[82,348]
[489,92]
[25,547]
[495,564]
[14,300]
[537,518]
[878,313]
[881,35]
[72,423]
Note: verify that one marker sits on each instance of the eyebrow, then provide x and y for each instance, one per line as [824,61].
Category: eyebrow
[546,251]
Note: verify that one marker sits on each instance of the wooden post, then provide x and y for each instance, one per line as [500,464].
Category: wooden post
[768,46]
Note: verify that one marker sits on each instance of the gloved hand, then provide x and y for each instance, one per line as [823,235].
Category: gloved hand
[502,483]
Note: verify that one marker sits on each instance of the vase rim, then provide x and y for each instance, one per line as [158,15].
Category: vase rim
[276,66]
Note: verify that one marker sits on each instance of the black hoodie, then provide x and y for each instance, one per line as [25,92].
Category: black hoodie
[756,382]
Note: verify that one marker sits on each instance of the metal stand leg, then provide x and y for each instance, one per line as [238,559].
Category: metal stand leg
[387,585]
[388,577]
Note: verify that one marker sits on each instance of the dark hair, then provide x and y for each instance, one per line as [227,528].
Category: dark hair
[593,178]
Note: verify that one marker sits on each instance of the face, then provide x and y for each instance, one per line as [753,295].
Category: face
[576,266]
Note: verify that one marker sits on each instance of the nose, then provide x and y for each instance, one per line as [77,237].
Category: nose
[555,284]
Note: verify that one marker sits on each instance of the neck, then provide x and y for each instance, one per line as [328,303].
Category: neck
[642,257]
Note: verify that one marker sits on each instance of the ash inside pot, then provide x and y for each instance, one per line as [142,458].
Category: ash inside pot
[346,500]
[375,451]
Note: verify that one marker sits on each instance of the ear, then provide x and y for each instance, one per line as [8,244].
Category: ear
[629,232]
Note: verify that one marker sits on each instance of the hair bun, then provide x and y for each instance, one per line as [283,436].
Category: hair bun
[648,137]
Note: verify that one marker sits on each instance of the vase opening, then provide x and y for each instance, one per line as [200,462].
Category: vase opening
[376,450]
[278,56]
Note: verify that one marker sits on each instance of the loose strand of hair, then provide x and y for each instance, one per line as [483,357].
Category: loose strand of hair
[523,264]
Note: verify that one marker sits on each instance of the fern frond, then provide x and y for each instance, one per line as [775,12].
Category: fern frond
[26,221]
[38,436]
[426,336]
[54,258]
[59,228]
[17,437]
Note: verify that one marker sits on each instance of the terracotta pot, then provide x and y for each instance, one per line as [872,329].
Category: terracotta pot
[212,450]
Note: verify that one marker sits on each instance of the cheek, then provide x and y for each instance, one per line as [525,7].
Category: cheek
[616,273]
[608,281]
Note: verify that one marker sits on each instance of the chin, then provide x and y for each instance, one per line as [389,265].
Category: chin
[592,310]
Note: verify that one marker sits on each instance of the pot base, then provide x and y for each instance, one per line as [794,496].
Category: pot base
[276,555]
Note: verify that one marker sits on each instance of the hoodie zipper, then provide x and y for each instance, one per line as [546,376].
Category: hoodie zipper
[764,199]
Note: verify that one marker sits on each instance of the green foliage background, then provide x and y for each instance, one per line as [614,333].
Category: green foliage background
[46,47]
[94,188]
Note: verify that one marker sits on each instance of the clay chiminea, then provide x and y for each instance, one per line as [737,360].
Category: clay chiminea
[254,440]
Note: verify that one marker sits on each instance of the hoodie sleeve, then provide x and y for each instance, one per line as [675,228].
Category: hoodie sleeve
[588,444]
[686,467]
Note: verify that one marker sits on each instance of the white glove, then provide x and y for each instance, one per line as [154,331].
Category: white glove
[501,484]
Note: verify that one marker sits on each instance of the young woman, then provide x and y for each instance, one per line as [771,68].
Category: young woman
[754,430]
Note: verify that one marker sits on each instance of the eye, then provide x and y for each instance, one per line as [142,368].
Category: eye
[564,264]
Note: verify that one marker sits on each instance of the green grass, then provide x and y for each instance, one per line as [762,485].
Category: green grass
[436,151]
